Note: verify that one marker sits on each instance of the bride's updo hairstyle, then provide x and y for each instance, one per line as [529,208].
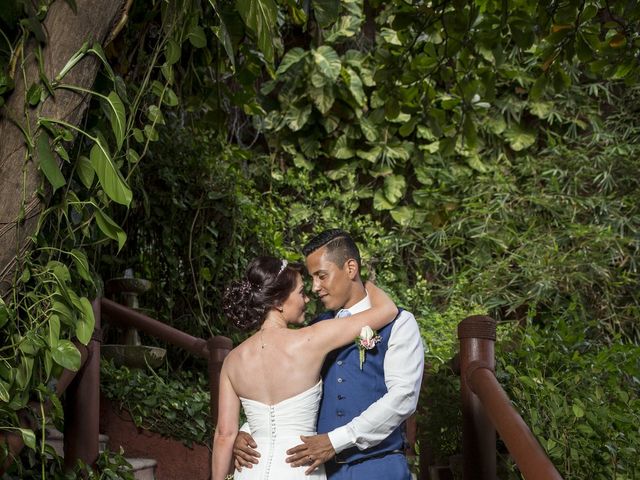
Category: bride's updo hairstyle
[267,283]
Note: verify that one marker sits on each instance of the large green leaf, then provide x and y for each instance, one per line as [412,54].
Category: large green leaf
[519,139]
[355,86]
[86,322]
[222,33]
[34,94]
[81,263]
[394,187]
[117,117]
[349,24]
[341,149]
[369,129]
[48,163]
[477,164]
[390,36]
[327,66]
[407,216]
[398,151]
[110,177]
[54,330]
[85,171]
[172,51]
[296,117]
[97,50]
[110,228]
[380,201]
[23,374]
[323,98]
[292,57]
[65,313]
[66,355]
[196,36]
[4,313]
[310,146]
[260,16]
[154,114]
[326,11]
[370,155]
[4,392]
[541,109]
[28,437]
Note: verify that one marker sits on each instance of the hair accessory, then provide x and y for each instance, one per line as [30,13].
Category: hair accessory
[246,286]
[283,266]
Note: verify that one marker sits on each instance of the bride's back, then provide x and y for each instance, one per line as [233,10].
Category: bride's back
[273,365]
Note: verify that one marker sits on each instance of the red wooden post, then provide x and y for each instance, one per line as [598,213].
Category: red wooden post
[82,405]
[477,335]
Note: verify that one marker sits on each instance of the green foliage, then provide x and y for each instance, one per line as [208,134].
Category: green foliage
[580,396]
[39,326]
[194,227]
[439,414]
[174,404]
[109,465]
[435,130]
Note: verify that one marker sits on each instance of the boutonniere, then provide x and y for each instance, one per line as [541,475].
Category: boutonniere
[366,341]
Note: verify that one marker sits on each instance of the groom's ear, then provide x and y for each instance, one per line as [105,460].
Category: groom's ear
[352,268]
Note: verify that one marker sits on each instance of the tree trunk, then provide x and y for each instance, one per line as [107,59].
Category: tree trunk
[21,198]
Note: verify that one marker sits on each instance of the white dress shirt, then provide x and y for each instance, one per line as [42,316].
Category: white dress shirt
[403,366]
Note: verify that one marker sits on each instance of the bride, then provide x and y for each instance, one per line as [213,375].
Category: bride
[275,373]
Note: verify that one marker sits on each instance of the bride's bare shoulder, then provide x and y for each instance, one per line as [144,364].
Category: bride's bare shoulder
[240,350]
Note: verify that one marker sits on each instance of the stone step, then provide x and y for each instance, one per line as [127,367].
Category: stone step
[143,468]
[55,438]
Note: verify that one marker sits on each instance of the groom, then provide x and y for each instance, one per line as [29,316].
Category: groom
[362,413]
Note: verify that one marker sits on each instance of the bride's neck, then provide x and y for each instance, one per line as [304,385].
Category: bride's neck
[273,320]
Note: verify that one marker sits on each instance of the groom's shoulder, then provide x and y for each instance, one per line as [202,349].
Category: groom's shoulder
[405,317]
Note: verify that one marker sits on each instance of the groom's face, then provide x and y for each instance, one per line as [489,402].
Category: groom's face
[331,282]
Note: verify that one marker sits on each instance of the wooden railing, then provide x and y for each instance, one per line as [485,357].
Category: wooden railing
[82,402]
[487,408]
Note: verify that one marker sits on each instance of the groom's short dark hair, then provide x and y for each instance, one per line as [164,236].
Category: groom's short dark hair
[340,246]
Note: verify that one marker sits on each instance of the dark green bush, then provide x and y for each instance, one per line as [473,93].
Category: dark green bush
[580,395]
[174,404]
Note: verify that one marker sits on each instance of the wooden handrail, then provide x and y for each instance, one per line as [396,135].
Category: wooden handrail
[125,316]
[486,407]
[523,446]
[214,350]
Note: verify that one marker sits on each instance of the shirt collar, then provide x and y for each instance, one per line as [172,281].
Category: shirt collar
[361,306]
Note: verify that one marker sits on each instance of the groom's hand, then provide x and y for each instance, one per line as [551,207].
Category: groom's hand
[243,451]
[314,451]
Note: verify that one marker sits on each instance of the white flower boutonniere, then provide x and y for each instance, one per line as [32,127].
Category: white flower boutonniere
[366,341]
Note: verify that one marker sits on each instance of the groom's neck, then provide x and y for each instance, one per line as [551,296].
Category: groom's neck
[357,294]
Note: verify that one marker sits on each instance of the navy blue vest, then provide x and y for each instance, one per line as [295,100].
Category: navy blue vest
[349,391]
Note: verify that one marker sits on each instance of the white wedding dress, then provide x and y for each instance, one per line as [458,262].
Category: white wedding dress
[277,428]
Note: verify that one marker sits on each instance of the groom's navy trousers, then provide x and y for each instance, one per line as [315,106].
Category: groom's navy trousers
[349,390]
[390,467]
